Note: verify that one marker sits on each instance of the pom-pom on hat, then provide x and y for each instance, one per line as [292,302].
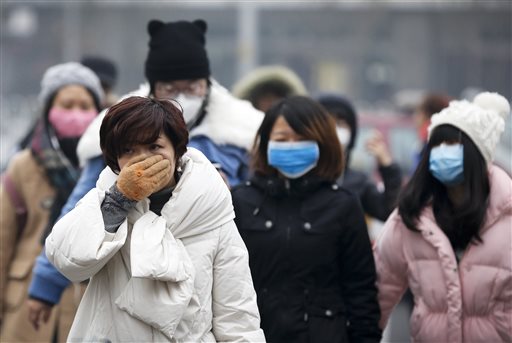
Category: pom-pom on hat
[66,74]
[177,51]
[483,120]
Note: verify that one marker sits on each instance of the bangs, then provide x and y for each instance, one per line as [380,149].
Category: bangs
[445,133]
[133,131]
[303,124]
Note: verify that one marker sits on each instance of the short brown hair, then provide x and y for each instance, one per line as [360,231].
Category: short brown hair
[309,119]
[140,120]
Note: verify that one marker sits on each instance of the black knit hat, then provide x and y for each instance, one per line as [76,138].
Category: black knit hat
[177,51]
[105,68]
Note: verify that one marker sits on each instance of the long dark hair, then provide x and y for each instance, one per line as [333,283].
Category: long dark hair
[462,224]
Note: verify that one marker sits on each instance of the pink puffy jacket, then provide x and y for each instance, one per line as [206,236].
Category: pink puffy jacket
[468,302]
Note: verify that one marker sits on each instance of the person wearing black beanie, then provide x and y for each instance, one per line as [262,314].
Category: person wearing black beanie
[177,66]
[177,51]
[221,126]
[377,204]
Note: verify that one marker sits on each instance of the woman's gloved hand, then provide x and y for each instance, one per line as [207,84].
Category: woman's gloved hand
[143,176]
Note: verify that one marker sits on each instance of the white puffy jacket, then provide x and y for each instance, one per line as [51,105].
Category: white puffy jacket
[181,277]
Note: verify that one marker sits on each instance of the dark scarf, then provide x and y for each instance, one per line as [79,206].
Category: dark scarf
[60,163]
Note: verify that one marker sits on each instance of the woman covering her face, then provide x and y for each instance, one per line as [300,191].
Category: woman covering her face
[157,238]
[309,249]
[450,239]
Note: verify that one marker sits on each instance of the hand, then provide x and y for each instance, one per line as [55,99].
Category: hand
[142,176]
[376,146]
[38,312]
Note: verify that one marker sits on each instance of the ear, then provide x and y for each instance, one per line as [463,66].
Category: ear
[154,25]
[201,24]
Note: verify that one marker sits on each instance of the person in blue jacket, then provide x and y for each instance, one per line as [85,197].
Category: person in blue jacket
[221,126]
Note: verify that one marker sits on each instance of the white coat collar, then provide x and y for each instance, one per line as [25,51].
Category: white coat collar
[229,120]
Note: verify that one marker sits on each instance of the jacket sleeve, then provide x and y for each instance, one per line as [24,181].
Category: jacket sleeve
[391,266]
[358,277]
[235,311]
[48,283]
[8,233]
[79,246]
[380,204]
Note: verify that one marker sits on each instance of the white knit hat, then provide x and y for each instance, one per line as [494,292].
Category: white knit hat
[483,120]
[70,73]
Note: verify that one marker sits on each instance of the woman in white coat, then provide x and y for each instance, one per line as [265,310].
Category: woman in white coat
[157,238]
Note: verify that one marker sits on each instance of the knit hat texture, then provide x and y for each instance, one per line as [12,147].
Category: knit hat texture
[177,51]
[483,120]
[70,73]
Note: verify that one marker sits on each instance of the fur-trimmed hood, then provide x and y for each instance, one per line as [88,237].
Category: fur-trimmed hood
[278,73]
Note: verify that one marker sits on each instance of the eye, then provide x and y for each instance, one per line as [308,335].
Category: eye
[155,146]
[127,151]
[67,105]
[86,107]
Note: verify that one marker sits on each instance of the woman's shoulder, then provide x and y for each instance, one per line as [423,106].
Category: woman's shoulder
[245,192]
[20,158]
[337,193]
[22,164]
[257,184]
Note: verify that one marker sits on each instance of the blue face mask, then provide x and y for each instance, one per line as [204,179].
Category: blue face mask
[293,159]
[446,163]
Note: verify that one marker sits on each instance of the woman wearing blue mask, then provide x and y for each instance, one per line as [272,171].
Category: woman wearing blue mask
[309,251]
[450,239]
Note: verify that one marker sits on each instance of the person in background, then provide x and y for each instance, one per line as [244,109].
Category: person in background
[177,67]
[432,103]
[267,84]
[376,203]
[221,126]
[157,239]
[309,250]
[38,180]
[450,240]
[106,70]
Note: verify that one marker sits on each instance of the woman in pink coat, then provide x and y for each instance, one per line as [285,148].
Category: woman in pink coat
[450,240]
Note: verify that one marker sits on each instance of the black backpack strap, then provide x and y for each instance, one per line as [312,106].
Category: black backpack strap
[16,199]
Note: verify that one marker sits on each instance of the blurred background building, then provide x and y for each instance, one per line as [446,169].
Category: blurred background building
[381,54]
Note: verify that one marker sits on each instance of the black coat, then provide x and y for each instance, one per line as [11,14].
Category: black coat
[310,259]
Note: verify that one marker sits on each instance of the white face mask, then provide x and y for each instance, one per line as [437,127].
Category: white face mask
[343,135]
[191,105]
